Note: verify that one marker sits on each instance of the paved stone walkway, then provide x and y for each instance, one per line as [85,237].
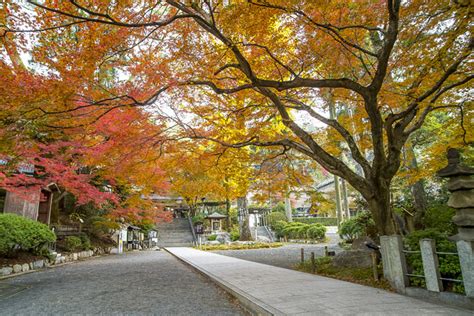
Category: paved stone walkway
[281,291]
[138,283]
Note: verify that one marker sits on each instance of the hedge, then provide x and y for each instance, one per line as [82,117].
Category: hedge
[316,231]
[297,230]
[20,233]
[326,221]
[275,217]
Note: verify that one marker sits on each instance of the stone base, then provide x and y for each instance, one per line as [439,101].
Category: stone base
[353,259]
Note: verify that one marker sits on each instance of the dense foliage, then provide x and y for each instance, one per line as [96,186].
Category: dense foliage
[360,225]
[19,233]
[73,243]
[234,234]
[326,221]
[275,217]
[212,237]
[439,216]
[449,265]
[152,95]
[297,230]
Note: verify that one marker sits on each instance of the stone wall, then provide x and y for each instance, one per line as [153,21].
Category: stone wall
[44,263]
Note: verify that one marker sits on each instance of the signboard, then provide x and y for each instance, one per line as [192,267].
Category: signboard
[122,237]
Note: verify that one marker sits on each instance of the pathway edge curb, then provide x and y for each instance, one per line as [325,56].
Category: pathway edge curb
[252,304]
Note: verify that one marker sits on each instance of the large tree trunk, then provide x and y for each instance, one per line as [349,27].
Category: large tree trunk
[244,221]
[417,190]
[420,203]
[379,206]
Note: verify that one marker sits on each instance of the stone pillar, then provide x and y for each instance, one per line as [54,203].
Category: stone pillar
[394,262]
[430,265]
[461,186]
[466,258]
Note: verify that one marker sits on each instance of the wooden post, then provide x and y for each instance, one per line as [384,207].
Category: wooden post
[313,264]
[374,266]
[302,255]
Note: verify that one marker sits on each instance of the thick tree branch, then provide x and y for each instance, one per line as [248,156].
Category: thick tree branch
[329,162]
[356,154]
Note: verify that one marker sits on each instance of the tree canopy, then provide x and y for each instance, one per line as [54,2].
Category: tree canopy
[345,84]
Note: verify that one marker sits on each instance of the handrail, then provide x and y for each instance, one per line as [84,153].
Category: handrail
[270,234]
[190,221]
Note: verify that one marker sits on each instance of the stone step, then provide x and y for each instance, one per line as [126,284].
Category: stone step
[175,244]
[175,241]
[187,237]
[174,233]
[173,228]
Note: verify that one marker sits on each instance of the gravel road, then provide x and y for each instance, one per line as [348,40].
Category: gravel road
[288,255]
[138,283]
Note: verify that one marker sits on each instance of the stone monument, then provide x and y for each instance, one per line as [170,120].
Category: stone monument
[461,186]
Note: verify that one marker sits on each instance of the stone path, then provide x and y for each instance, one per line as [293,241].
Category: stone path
[138,283]
[278,291]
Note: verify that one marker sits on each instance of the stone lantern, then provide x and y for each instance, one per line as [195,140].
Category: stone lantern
[461,186]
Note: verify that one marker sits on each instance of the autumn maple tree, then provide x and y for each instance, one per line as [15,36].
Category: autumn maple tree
[89,154]
[266,73]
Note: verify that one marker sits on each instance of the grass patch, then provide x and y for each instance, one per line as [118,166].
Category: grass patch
[240,246]
[362,276]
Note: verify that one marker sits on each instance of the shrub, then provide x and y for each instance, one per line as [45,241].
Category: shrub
[100,226]
[326,221]
[440,217]
[279,208]
[316,231]
[295,230]
[278,228]
[302,231]
[19,233]
[275,217]
[85,242]
[198,219]
[212,237]
[350,230]
[360,225]
[73,243]
[234,234]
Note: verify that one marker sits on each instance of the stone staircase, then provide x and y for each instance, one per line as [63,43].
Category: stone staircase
[263,232]
[175,234]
